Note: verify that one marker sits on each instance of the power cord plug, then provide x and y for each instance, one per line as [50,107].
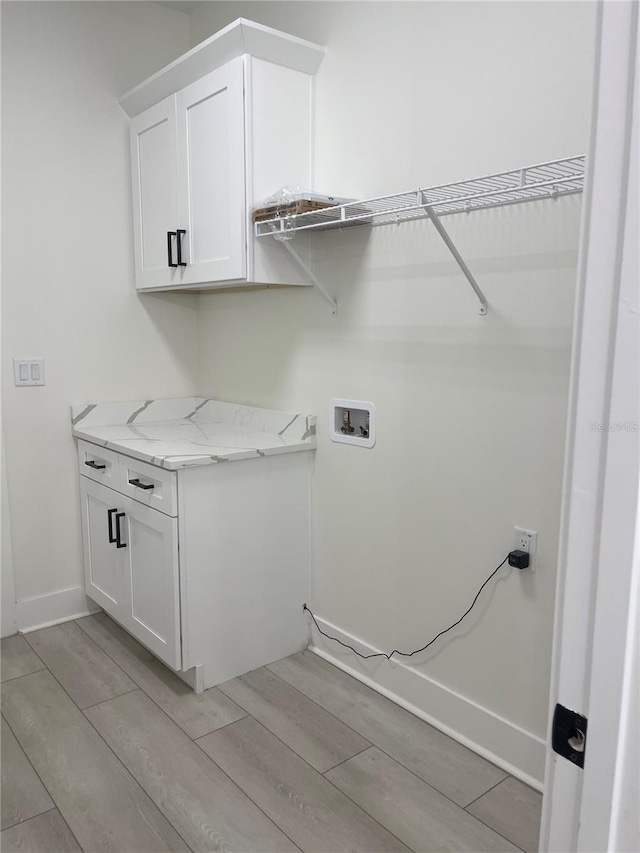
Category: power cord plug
[519,559]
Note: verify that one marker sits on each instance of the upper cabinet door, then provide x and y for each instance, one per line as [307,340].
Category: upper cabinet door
[211,164]
[155,195]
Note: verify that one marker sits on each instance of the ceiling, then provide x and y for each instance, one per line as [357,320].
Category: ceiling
[181,5]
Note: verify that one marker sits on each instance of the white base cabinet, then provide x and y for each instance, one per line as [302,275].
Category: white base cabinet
[213,583]
[245,563]
[131,567]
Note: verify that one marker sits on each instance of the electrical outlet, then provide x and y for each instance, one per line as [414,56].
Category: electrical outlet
[526,540]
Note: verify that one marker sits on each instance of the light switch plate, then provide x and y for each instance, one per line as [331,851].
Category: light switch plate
[28,372]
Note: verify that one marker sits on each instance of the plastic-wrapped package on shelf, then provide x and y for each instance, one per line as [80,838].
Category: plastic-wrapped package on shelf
[289,202]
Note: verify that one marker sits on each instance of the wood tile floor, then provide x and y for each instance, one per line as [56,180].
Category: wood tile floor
[104,749]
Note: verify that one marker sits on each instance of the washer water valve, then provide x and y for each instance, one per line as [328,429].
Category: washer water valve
[352,422]
[364,430]
[346,427]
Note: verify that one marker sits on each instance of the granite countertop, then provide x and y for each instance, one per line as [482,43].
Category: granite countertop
[188,431]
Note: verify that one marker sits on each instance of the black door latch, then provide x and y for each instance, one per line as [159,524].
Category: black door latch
[569,734]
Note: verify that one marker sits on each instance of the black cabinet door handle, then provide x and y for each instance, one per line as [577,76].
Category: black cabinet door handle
[179,234]
[171,234]
[119,542]
[140,485]
[94,465]
[110,512]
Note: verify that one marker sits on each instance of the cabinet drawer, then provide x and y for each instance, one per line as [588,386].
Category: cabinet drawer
[98,463]
[148,484]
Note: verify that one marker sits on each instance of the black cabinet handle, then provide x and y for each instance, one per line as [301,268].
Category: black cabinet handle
[119,542]
[110,512]
[94,465]
[171,234]
[179,234]
[140,485]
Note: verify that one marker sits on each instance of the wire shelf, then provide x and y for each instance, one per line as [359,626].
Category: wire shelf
[544,180]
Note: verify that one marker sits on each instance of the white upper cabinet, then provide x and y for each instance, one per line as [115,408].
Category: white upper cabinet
[211,181]
[212,134]
[155,193]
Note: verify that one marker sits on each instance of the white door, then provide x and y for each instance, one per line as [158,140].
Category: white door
[597,630]
[8,621]
[154,175]
[211,158]
[105,580]
[151,566]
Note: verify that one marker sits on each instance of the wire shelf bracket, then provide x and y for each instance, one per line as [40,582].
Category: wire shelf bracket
[319,286]
[458,258]
[551,179]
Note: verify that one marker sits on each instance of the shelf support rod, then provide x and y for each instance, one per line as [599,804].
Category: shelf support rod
[312,277]
[458,257]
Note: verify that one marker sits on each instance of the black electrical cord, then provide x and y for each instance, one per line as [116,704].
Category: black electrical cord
[417,651]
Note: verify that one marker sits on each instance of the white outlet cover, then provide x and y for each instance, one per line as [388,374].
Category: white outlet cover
[526,540]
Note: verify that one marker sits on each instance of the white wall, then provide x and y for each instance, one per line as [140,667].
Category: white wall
[67,265]
[471,410]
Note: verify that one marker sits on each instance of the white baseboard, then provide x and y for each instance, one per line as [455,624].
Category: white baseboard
[517,751]
[52,609]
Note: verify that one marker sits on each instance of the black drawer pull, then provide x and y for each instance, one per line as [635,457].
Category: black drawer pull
[94,465]
[119,542]
[110,512]
[140,485]
[170,234]
[179,234]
